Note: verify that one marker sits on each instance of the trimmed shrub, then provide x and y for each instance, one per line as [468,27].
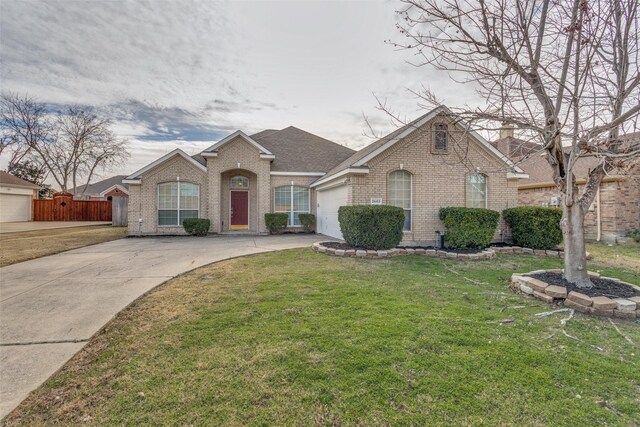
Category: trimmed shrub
[276,222]
[635,235]
[308,221]
[469,227]
[371,227]
[534,226]
[196,226]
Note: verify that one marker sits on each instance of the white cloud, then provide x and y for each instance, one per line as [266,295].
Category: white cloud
[168,71]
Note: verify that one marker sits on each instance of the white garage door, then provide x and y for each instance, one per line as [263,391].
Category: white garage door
[328,203]
[15,207]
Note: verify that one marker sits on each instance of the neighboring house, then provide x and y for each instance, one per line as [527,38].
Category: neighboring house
[16,197]
[616,208]
[102,190]
[421,167]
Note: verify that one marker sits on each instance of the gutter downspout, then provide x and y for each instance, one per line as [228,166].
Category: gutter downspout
[599,222]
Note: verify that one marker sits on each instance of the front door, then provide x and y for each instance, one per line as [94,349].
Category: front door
[239,210]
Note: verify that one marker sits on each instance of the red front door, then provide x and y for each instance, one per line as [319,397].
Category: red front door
[239,210]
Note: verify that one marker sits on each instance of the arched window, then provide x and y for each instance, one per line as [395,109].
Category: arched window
[239,182]
[177,201]
[440,137]
[476,191]
[399,187]
[292,200]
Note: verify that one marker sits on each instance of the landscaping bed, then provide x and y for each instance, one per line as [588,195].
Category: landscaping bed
[608,297]
[602,286]
[344,250]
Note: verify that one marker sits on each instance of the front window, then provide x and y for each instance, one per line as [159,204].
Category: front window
[292,200]
[476,191]
[177,201]
[400,194]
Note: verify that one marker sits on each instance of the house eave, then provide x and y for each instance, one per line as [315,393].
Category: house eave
[279,173]
[362,170]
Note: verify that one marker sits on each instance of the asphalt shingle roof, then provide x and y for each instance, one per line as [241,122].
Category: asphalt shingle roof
[98,187]
[13,181]
[296,150]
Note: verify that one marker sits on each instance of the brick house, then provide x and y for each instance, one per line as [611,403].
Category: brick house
[430,163]
[616,208]
[105,189]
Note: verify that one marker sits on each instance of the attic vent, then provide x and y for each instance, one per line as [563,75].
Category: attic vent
[440,137]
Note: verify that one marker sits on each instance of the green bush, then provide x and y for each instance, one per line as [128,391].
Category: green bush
[371,227]
[635,235]
[196,226]
[469,227]
[276,222]
[308,221]
[534,226]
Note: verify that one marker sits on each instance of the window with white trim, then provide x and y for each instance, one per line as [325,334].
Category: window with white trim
[476,191]
[399,189]
[177,201]
[292,200]
[440,137]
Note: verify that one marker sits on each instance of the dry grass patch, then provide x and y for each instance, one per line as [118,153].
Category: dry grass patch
[23,246]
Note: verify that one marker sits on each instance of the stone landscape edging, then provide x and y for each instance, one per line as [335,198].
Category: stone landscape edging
[624,308]
[379,254]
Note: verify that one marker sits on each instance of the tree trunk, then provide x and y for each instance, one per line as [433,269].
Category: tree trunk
[575,252]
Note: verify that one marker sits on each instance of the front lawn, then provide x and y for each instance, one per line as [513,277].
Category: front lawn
[26,245]
[299,338]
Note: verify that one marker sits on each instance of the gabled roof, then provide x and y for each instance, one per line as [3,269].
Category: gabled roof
[9,180]
[134,178]
[215,147]
[100,187]
[296,150]
[360,158]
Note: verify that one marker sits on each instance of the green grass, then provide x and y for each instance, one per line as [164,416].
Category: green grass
[298,338]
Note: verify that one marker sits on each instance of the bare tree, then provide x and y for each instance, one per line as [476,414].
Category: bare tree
[23,124]
[566,73]
[72,145]
[84,144]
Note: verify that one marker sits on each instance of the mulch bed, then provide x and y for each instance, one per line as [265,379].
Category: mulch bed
[601,287]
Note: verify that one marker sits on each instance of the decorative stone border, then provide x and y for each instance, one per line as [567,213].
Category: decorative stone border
[528,251]
[625,308]
[377,254]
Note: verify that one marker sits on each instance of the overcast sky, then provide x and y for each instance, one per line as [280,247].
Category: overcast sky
[186,73]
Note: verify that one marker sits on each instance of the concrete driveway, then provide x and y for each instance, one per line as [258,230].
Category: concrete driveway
[51,306]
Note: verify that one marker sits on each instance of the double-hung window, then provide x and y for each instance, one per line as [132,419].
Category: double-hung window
[399,187]
[292,200]
[177,201]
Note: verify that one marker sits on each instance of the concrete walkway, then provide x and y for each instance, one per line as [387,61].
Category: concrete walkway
[51,306]
[17,227]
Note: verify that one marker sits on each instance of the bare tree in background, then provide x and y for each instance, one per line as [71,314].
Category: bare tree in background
[566,73]
[71,145]
[23,124]
[83,144]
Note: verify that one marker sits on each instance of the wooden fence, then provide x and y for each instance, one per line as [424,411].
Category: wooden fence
[63,208]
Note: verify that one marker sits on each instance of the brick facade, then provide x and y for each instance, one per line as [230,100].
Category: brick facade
[619,205]
[438,180]
[143,198]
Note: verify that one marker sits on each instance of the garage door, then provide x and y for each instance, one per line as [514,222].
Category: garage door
[15,207]
[328,203]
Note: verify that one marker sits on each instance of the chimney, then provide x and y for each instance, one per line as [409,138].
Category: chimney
[506,131]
